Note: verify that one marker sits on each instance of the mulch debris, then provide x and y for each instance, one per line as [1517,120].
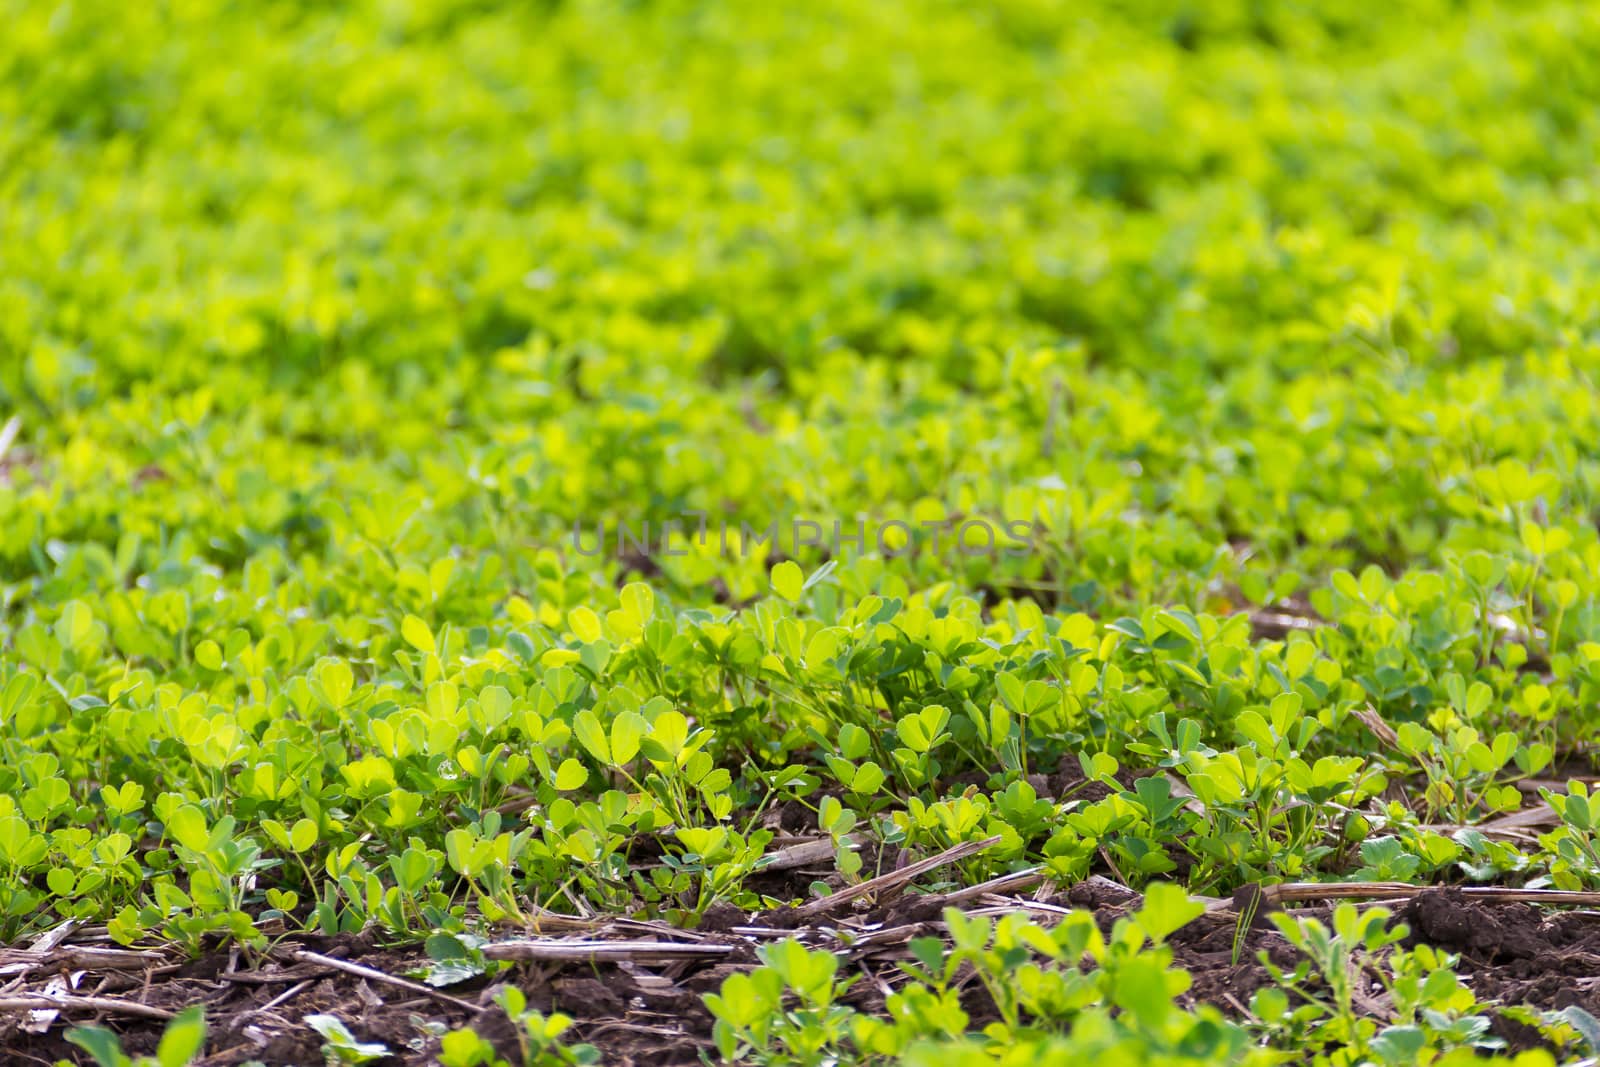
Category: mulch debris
[635,992]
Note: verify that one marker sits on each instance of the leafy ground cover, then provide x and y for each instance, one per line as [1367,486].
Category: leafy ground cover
[664,532]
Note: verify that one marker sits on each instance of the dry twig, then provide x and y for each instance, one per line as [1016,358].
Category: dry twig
[106,1005]
[1300,892]
[584,951]
[375,975]
[895,880]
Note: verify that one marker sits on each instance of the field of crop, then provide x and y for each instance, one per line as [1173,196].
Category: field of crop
[843,533]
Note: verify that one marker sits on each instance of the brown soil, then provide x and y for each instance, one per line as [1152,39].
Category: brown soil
[1513,953]
[636,1013]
